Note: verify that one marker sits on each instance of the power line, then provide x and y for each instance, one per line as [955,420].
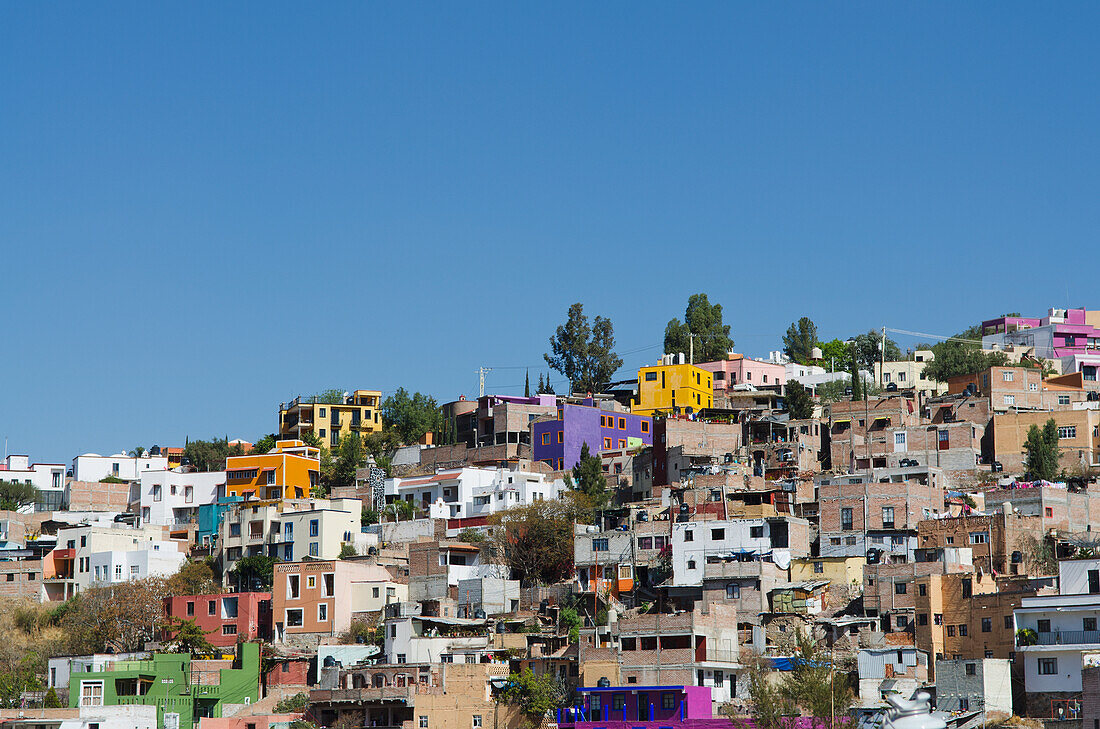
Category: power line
[934,336]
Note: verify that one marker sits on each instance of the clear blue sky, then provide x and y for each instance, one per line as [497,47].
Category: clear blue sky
[206,209]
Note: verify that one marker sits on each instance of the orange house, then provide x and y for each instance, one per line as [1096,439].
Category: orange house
[287,471]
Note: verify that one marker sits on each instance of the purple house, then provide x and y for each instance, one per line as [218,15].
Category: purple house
[558,442]
[642,707]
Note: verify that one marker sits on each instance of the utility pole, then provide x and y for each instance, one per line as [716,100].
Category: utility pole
[691,347]
[882,371]
[481,372]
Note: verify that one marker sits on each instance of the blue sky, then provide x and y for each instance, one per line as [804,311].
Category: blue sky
[208,209]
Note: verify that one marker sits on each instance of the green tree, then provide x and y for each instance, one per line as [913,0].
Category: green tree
[867,349]
[800,404]
[293,704]
[402,510]
[471,536]
[346,551]
[1042,451]
[533,695]
[255,573]
[411,416]
[570,622]
[857,381]
[311,439]
[331,396]
[815,686]
[51,701]
[544,386]
[193,578]
[207,455]
[349,458]
[265,444]
[370,516]
[15,681]
[588,479]
[382,447]
[15,495]
[584,354]
[835,353]
[137,452]
[535,541]
[704,320]
[800,339]
[527,383]
[769,708]
[962,355]
[188,637]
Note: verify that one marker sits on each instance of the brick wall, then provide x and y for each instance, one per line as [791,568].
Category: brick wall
[97,496]
[22,579]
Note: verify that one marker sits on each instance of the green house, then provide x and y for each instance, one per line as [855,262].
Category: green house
[181,691]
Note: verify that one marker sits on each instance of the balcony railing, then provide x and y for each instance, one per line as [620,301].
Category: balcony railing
[1065,637]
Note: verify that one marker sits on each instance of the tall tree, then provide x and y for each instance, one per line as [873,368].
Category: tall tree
[588,479]
[207,455]
[800,339]
[816,687]
[193,578]
[584,354]
[255,573]
[185,636]
[1042,451]
[835,354]
[265,444]
[535,541]
[411,416]
[857,382]
[867,349]
[533,695]
[704,320]
[527,383]
[15,495]
[800,403]
[349,458]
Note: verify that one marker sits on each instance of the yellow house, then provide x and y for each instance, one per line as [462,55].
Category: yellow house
[664,388]
[838,570]
[288,471]
[359,413]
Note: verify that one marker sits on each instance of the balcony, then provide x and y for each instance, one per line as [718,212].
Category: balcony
[363,695]
[1063,637]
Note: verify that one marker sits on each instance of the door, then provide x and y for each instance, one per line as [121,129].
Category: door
[643,707]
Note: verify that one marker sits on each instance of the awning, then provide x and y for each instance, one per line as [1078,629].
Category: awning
[845,420]
[881,417]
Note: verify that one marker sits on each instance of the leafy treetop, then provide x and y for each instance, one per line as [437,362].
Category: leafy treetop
[583,353]
[704,320]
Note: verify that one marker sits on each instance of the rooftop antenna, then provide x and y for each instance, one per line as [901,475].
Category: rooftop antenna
[481,372]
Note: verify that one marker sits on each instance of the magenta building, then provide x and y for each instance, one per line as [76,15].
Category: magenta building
[1071,336]
[642,707]
[558,442]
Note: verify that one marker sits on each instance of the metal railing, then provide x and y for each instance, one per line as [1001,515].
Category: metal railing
[1066,637]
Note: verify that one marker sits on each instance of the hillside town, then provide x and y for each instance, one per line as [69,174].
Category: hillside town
[716,539]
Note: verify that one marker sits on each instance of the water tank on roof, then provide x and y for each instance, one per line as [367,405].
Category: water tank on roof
[479,614]
[330,662]
[604,682]
[816,353]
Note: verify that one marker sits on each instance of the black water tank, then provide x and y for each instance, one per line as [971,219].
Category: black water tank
[604,682]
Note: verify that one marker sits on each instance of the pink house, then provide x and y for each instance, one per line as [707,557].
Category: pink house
[738,369]
[263,721]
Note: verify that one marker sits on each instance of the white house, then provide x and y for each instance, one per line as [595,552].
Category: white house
[93,467]
[153,559]
[48,478]
[469,492]
[696,544]
[1065,627]
[169,498]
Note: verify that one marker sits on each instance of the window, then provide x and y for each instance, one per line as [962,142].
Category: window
[328,584]
[546,439]
[607,444]
[756,532]
[322,612]
[311,582]
[987,625]
[211,607]
[561,436]
[937,619]
[1063,399]
[834,540]
[1007,376]
[733,591]
[423,722]
[618,702]
[229,629]
[645,426]
[1010,399]
[979,537]
[1094,582]
[962,629]
[314,527]
[294,618]
[1048,511]
[719,676]
[717,534]
[967,587]
[314,549]
[156,492]
[1008,622]
[288,552]
[477,721]
[691,564]
[900,588]
[951,631]
[1042,626]
[271,478]
[689,535]
[901,377]
[922,619]
[668,701]
[1048,666]
[846,519]
[964,704]
[622,423]
[645,542]
[819,568]
[599,545]
[1067,431]
[922,590]
[235,530]
[887,517]
[293,586]
[91,693]
[1088,624]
